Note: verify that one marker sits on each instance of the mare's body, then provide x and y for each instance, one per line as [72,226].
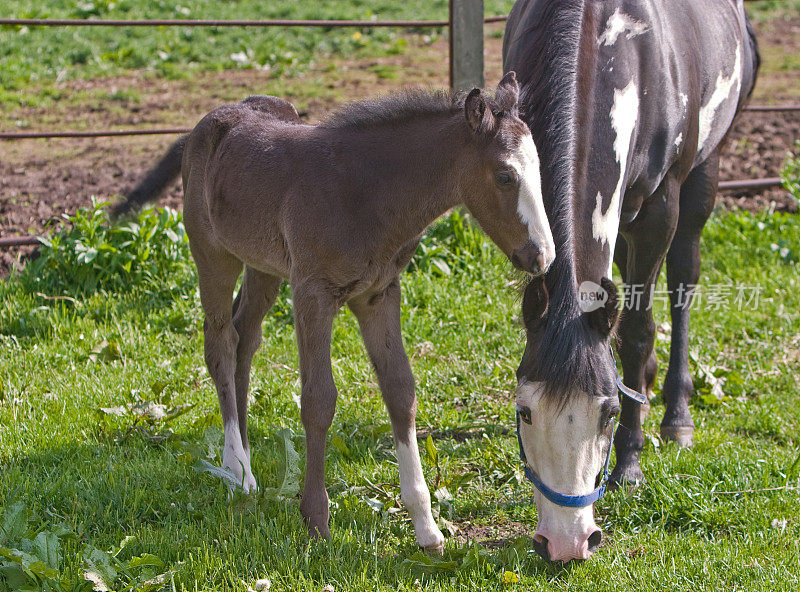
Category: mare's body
[628,102]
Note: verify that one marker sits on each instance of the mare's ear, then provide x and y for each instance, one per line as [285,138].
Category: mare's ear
[479,116]
[534,302]
[507,94]
[604,318]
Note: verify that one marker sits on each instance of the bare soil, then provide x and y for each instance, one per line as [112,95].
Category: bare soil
[41,179]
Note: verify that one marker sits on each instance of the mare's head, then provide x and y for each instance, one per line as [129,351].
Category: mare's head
[503,189]
[567,404]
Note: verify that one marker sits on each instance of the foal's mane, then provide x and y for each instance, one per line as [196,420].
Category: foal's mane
[395,108]
[555,43]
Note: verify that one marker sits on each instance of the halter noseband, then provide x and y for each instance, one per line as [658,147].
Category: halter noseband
[578,501]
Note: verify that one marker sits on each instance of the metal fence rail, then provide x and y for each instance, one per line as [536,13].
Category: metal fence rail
[184,130]
[30,22]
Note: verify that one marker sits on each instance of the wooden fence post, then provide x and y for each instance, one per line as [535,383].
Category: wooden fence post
[466,44]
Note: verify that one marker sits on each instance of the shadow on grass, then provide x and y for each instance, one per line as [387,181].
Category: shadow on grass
[127,483]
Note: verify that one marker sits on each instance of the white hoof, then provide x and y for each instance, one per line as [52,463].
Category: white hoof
[431,540]
[240,467]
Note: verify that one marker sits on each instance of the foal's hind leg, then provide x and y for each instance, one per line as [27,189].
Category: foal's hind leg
[255,298]
[217,272]
[314,310]
[698,194]
[379,319]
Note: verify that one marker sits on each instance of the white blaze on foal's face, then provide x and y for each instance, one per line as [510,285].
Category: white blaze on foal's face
[530,207]
[567,449]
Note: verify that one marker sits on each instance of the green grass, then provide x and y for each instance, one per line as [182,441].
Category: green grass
[94,483]
[29,55]
[766,10]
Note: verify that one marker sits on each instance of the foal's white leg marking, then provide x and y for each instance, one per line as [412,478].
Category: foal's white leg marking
[236,459]
[624,115]
[722,91]
[618,24]
[530,206]
[415,495]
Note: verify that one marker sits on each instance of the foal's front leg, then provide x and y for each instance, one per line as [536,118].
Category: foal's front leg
[314,310]
[379,318]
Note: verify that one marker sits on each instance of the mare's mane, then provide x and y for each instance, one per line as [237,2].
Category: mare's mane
[567,357]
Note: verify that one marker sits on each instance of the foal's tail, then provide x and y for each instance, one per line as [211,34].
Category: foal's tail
[157,180]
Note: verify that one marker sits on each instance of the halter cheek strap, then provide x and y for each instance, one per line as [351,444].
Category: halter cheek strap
[578,501]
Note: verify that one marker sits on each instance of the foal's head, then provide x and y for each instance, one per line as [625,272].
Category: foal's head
[567,404]
[504,188]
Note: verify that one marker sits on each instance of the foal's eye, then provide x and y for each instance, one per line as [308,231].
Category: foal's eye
[505,178]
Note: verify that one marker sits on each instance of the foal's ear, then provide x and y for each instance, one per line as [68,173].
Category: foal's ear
[534,302]
[507,94]
[604,318]
[479,116]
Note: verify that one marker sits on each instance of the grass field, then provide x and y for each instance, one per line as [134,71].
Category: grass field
[39,53]
[109,428]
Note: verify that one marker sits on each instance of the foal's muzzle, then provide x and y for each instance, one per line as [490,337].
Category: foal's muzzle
[530,259]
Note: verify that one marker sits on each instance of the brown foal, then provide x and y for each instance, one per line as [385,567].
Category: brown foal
[337,209]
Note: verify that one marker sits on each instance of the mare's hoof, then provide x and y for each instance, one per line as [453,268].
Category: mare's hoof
[630,476]
[683,435]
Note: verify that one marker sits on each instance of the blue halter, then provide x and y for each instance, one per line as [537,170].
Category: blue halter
[578,501]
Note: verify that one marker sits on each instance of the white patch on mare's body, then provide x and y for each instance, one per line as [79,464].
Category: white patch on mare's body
[619,24]
[235,458]
[624,115]
[415,495]
[722,91]
[530,206]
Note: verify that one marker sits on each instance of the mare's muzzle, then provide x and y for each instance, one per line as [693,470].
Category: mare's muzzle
[530,259]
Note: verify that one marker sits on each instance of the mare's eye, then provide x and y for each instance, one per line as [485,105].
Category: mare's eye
[524,414]
[505,178]
[612,415]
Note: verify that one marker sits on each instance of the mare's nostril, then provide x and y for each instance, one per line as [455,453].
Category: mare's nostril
[594,540]
[540,546]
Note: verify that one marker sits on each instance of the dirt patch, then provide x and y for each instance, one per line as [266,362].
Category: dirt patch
[41,179]
[492,536]
[756,149]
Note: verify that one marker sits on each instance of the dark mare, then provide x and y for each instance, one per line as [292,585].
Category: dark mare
[337,209]
[628,102]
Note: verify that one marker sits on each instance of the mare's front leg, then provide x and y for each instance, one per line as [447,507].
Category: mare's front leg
[648,239]
[651,368]
[314,310]
[379,318]
[698,194]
